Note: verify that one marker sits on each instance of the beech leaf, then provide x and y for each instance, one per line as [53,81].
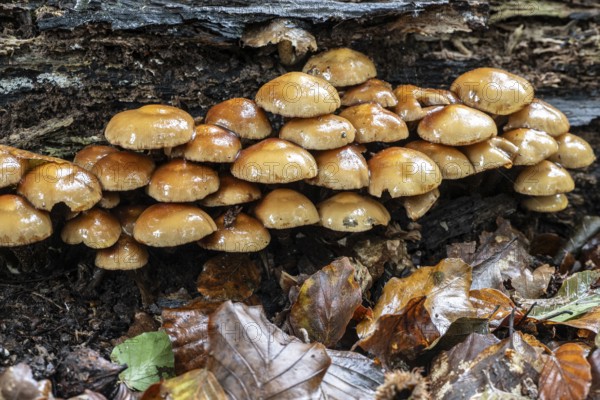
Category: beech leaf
[567,375]
[351,376]
[198,384]
[493,305]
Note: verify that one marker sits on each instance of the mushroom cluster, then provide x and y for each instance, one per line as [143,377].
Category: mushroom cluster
[165,181]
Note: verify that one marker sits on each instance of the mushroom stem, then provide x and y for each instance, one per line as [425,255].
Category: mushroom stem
[139,276]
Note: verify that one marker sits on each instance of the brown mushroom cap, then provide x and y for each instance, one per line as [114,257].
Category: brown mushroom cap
[12,169]
[435,97]
[241,116]
[166,225]
[341,169]
[452,163]
[21,223]
[408,107]
[541,116]
[491,154]
[298,95]
[456,125]
[493,90]
[49,184]
[351,212]
[374,123]
[341,67]
[180,181]
[150,127]
[232,191]
[573,152]
[244,235]
[211,143]
[417,206]
[124,171]
[126,254]
[87,157]
[534,146]
[319,133]
[552,203]
[33,159]
[286,208]
[109,200]
[544,179]
[127,216]
[274,161]
[372,91]
[402,172]
[95,228]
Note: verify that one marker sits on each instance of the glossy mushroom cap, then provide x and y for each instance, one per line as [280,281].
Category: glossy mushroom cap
[109,200]
[491,154]
[351,212]
[541,116]
[341,67]
[150,127]
[534,146]
[544,179]
[49,184]
[414,103]
[456,125]
[274,161]
[124,171]
[126,254]
[166,225]
[493,90]
[211,143]
[372,91]
[87,157]
[341,169]
[298,95]
[546,204]
[374,123]
[12,169]
[452,163]
[127,216]
[241,116]
[417,206]
[232,191]
[286,208]
[242,235]
[573,152]
[95,228]
[21,223]
[181,181]
[319,133]
[402,172]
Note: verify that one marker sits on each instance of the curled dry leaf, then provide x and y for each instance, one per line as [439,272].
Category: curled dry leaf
[567,375]
[198,384]
[493,305]
[252,358]
[351,376]
[326,302]
[229,276]
[17,383]
[590,321]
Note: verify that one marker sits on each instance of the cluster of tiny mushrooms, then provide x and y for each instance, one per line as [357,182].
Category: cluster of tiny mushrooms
[451,134]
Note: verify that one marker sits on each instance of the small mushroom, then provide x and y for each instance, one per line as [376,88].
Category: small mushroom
[149,127]
[21,223]
[95,228]
[534,146]
[414,103]
[452,163]
[351,212]
[372,91]
[12,169]
[211,143]
[573,152]
[286,208]
[127,216]
[274,161]
[124,170]
[232,191]
[341,169]
[491,154]
[242,235]
[319,133]
[417,206]
[546,204]
[241,116]
[341,67]
[493,90]
[298,95]
[126,254]
[180,181]
[87,157]
[541,116]
[109,200]
[544,179]
[374,123]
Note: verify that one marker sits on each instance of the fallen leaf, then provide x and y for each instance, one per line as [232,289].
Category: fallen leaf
[458,331]
[566,375]
[229,276]
[589,321]
[493,305]
[326,302]
[198,384]
[351,376]
[594,360]
[17,383]
[252,358]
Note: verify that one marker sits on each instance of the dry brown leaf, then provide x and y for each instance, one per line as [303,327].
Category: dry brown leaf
[351,376]
[445,285]
[493,305]
[252,358]
[566,375]
[198,384]
[326,302]
[229,276]
[589,321]
[594,360]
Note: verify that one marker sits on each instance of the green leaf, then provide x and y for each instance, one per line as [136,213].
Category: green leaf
[149,359]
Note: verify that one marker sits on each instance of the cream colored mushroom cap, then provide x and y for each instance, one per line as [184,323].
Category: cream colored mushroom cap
[573,152]
[286,208]
[181,181]
[417,206]
[546,204]
[319,133]
[149,127]
[241,116]
[341,169]
[452,163]
[402,172]
[493,153]
[244,235]
[372,91]
[493,90]
[124,171]
[298,95]
[274,161]
[544,179]
[534,146]
[456,125]
[341,67]
[126,254]
[21,223]
[351,212]
[95,228]
[12,169]
[232,191]
[87,157]
[170,224]
[540,116]
[51,183]
[211,143]
[374,123]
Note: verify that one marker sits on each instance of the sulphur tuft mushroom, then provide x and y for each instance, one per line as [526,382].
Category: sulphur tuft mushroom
[95,228]
[351,212]
[319,133]
[372,91]
[124,170]
[533,146]
[12,169]
[211,143]
[126,254]
[238,234]
[544,179]
[452,163]
[417,206]
[374,123]
[344,168]
[21,223]
[179,181]
[232,191]
[491,154]
[87,157]
[241,116]
[341,67]
[546,204]
[573,152]
[540,116]
[286,208]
